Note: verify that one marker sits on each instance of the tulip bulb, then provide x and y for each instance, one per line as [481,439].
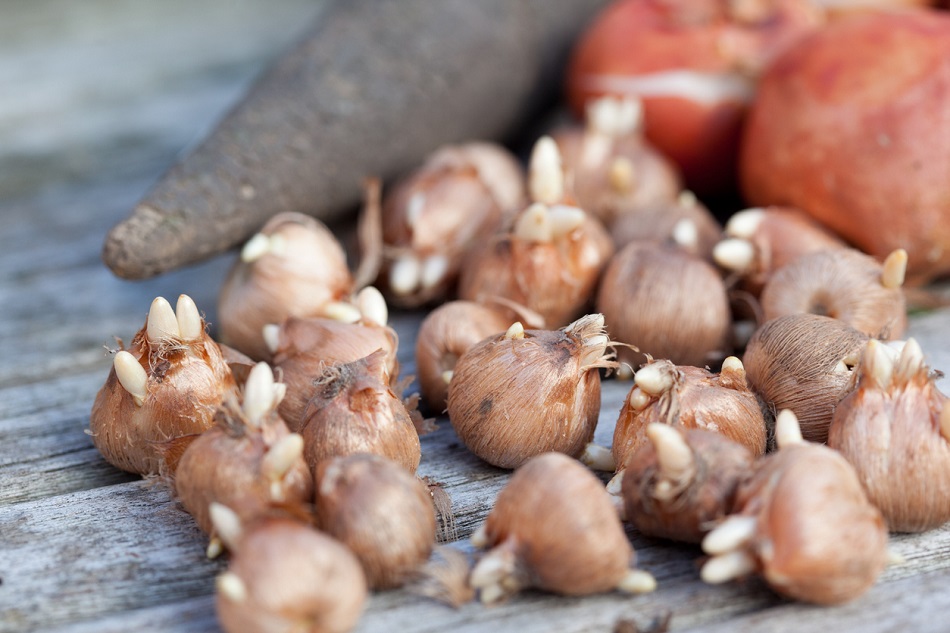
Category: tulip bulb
[462,194]
[760,241]
[448,332]
[666,303]
[284,575]
[554,528]
[382,513]
[680,222]
[302,349]
[804,362]
[293,267]
[167,384]
[683,482]
[526,392]
[686,398]
[844,284]
[248,461]
[613,172]
[353,410]
[804,522]
[551,260]
[894,428]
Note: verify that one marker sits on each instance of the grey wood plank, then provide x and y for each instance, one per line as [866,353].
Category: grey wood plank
[128,547]
[107,94]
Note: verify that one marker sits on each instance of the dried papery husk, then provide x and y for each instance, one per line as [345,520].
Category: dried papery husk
[760,241]
[283,576]
[448,332]
[445,578]
[894,428]
[805,524]
[178,377]
[526,392]
[353,410]
[689,398]
[293,267]
[667,303]
[611,169]
[844,284]
[682,222]
[305,347]
[681,489]
[554,528]
[382,513]
[804,362]
[555,276]
[462,194]
[249,461]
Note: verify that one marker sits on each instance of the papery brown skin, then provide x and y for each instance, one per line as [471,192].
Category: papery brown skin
[818,537]
[855,135]
[636,39]
[468,193]
[383,514]
[655,179]
[702,500]
[699,399]
[298,283]
[558,522]
[844,284]
[656,223]
[892,439]
[296,579]
[667,303]
[223,465]
[186,383]
[308,346]
[791,363]
[513,399]
[555,279]
[784,235]
[353,410]
[444,335]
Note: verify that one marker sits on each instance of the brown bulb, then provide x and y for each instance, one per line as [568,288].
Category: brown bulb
[353,410]
[804,362]
[894,428]
[683,482]
[690,398]
[682,222]
[283,576]
[448,332]
[611,169]
[382,513]
[550,263]
[304,347]
[760,241]
[248,461]
[461,195]
[667,303]
[844,284]
[553,527]
[552,258]
[167,384]
[804,523]
[293,267]
[526,392]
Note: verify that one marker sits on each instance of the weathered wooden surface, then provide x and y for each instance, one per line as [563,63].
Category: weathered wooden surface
[100,97]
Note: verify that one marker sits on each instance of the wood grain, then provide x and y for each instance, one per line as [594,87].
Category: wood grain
[107,94]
